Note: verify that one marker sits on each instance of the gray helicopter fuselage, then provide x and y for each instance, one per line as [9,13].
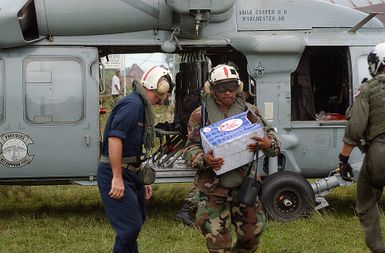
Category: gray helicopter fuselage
[304,60]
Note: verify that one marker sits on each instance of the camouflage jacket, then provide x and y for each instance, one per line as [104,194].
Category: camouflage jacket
[205,179]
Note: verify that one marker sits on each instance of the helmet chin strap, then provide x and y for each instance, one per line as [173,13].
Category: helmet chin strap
[374,69]
[160,97]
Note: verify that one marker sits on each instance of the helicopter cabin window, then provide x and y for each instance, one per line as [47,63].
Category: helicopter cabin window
[2,92]
[320,85]
[54,90]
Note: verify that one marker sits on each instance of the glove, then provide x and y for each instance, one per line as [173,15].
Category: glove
[344,168]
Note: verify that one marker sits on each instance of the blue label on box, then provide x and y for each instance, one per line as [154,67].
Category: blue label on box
[227,129]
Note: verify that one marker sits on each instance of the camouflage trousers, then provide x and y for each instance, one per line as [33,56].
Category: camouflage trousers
[191,199]
[214,218]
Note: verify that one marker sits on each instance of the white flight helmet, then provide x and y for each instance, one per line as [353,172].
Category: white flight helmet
[151,77]
[376,59]
[222,74]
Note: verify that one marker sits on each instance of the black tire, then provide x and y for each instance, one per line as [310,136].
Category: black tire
[287,196]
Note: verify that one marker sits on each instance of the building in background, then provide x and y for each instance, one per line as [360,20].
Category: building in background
[128,74]
[135,72]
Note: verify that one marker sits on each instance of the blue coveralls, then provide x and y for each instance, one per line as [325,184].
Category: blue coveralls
[126,215]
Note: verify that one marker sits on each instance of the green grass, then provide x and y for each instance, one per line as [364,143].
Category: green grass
[71,219]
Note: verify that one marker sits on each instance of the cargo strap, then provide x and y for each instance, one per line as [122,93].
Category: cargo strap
[126,162]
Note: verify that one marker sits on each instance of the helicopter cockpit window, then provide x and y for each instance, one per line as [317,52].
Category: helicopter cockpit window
[320,85]
[2,92]
[54,90]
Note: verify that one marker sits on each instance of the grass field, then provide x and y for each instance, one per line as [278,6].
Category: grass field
[71,219]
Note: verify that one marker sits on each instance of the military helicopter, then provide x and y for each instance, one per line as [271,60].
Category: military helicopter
[301,62]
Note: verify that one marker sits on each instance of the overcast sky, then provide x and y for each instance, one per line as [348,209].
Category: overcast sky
[145,61]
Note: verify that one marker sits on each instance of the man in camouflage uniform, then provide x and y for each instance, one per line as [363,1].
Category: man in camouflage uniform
[366,121]
[217,209]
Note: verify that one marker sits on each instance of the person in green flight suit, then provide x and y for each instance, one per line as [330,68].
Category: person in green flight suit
[366,124]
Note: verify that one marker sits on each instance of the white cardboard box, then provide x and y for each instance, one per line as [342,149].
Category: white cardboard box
[228,139]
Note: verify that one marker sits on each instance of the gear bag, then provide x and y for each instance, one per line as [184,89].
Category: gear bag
[148,174]
[250,187]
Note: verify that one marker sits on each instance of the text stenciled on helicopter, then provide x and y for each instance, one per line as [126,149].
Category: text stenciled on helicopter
[262,15]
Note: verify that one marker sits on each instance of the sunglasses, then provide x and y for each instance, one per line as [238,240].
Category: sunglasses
[224,89]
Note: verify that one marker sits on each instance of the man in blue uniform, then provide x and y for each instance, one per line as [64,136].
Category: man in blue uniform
[129,127]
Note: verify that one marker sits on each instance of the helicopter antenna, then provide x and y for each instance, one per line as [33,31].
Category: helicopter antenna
[364,21]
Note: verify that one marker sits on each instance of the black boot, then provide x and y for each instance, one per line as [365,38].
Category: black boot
[184,215]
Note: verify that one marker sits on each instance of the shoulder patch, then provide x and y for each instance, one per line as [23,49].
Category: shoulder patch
[356,93]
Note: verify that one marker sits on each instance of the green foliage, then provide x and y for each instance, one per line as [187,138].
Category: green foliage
[71,218]
[164,113]
[109,73]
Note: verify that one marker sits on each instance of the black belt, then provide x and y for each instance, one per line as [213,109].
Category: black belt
[125,159]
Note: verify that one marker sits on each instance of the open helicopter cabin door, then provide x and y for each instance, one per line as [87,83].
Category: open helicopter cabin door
[321,91]
[48,114]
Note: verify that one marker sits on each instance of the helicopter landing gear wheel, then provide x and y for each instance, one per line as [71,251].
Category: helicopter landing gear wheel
[287,196]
